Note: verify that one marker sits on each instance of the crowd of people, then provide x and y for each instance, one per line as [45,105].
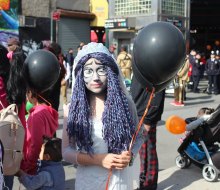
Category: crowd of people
[197,66]
[99,122]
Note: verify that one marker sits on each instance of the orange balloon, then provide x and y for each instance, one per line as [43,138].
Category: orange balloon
[175,124]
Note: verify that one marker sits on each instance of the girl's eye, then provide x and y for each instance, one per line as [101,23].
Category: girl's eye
[88,72]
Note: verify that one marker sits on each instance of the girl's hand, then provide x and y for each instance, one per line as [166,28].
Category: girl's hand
[123,160]
[116,161]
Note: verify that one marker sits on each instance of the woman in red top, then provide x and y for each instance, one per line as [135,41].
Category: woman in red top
[12,87]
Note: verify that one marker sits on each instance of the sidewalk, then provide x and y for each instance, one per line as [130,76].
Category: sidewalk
[170,179]
[186,179]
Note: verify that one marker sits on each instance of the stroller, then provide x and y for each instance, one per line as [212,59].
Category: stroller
[202,148]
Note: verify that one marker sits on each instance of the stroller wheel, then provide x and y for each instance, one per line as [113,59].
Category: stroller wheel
[182,162]
[210,173]
[188,163]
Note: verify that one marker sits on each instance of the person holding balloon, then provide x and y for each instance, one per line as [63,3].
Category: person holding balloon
[102,119]
[43,119]
[158,46]
[148,152]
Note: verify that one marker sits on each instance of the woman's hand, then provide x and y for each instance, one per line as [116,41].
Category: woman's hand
[116,161]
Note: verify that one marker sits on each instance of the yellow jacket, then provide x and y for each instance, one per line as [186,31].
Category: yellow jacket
[124,60]
[183,72]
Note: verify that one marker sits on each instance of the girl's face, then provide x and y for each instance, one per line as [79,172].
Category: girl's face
[95,76]
[29,96]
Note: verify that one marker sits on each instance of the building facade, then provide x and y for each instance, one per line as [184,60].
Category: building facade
[64,21]
[127,17]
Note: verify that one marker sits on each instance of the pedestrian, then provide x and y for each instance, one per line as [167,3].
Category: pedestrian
[213,70]
[12,88]
[13,45]
[197,69]
[50,174]
[101,122]
[65,81]
[181,78]
[54,95]
[124,62]
[192,57]
[81,44]
[42,121]
[148,151]
[112,49]
[70,59]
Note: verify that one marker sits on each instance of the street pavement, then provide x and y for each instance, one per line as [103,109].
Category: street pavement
[170,176]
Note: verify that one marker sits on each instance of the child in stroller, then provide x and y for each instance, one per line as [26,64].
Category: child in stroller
[201,145]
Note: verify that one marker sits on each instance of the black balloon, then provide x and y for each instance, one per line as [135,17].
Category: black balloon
[159,52]
[42,70]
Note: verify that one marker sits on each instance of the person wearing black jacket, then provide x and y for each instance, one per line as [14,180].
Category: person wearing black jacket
[148,152]
[197,70]
[212,70]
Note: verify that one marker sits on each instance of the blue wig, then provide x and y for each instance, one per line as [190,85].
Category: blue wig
[118,124]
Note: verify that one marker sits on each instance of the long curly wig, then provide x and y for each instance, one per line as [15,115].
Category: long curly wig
[118,124]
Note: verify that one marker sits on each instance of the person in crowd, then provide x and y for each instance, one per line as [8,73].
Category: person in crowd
[203,115]
[213,71]
[50,173]
[217,57]
[197,68]
[112,49]
[101,122]
[148,152]
[54,95]
[65,81]
[193,122]
[42,121]
[208,51]
[13,45]
[192,57]
[216,46]
[80,46]
[182,79]
[12,88]
[124,61]
[70,59]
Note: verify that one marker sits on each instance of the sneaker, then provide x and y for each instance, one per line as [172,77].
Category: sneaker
[180,104]
[173,103]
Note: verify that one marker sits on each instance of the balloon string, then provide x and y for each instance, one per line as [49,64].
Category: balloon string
[142,120]
[136,132]
[44,99]
[108,180]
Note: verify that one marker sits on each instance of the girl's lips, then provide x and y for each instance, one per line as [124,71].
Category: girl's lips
[96,85]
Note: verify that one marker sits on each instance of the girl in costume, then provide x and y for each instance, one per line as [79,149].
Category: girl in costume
[101,122]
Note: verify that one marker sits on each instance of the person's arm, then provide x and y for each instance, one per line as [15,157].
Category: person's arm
[156,108]
[32,182]
[67,76]
[70,154]
[36,129]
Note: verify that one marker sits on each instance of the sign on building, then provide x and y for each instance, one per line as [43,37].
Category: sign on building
[116,23]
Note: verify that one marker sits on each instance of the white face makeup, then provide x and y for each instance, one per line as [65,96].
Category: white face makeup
[95,76]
